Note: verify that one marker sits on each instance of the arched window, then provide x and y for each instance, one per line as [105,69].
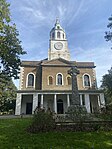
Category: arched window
[59,79]
[69,81]
[53,35]
[63,36]
[58,34]
[86,80]
[31,80]
[50,80]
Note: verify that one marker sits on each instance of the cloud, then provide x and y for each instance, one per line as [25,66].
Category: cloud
[45,12]
[89,32]
[31,12]
[83,21]
[101,56]
[77,12]
[62,10]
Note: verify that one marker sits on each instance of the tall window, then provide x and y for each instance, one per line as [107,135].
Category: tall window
[31,80]
[69,81]
[53,35]
[50,80]
[59,79]
[63,36]
[86,80]
[58,34]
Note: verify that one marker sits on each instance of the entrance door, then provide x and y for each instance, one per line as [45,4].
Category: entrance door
[59,106]
[28,108]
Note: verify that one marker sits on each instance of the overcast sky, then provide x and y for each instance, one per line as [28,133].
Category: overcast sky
[85,23]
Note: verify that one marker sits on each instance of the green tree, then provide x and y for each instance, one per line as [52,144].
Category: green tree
[107,85]
[108,34]
[7,95]
[10,46]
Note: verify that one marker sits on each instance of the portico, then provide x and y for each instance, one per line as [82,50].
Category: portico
[58,102]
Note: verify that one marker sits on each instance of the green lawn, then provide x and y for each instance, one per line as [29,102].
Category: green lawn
[13,135]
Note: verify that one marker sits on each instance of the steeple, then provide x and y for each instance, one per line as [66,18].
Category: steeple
[58,46]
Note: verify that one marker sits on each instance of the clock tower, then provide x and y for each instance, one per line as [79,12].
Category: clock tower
[58,44]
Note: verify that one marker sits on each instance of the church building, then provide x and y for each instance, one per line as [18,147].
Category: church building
[47,84]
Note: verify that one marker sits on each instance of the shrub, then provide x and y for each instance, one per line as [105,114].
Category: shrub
[77,113]
[109,108]
[42,122]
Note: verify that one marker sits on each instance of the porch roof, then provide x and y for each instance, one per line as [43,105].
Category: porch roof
[90,91]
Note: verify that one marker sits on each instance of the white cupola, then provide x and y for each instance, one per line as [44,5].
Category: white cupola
[57,32]
[58,44]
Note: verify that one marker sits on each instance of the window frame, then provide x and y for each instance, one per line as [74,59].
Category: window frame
[53,35]
[57,79]
[58,35]
[27,80]
[48,79]
[86,74]
[67,80]
[63,36]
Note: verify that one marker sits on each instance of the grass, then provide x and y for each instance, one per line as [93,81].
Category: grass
[14,136]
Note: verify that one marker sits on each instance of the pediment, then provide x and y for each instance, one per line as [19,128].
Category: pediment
[58,61]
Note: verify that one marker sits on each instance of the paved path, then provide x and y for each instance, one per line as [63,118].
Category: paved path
[13,116]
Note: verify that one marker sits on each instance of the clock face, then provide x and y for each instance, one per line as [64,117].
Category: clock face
[58,46]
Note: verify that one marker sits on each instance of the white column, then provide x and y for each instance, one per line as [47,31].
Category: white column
[18,104]
[55,104]
[87,102]
[81,99]
[102,100]
[35,101]
[99,103]
[42,100]
[68,100]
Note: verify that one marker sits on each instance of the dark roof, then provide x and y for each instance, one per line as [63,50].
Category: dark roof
[30,63]
[71,63]
[85,64]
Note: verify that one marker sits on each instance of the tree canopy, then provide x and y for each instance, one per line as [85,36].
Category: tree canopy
[7,95]
[108,34]
[10,46]
[107,85]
